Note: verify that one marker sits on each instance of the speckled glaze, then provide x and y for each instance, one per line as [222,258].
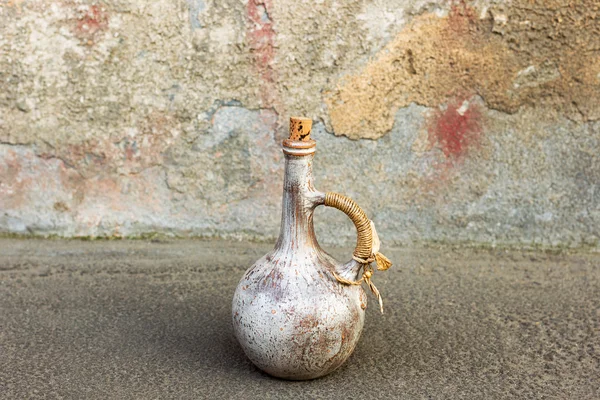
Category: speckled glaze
[293,319]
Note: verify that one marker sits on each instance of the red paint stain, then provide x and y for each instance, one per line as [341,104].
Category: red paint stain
[91,21]
[462,18]
[12,181]
[126,154]
[261,39]
[457,128]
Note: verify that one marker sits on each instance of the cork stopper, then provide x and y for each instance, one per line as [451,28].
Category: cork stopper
[300,129]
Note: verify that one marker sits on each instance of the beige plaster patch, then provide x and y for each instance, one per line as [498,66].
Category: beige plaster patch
[532,53]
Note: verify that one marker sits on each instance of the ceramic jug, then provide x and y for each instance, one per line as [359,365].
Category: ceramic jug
[297,312]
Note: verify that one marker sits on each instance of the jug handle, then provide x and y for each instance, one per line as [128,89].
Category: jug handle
[367,243]
[364,239]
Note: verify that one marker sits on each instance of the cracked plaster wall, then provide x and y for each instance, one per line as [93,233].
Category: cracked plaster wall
[452,121]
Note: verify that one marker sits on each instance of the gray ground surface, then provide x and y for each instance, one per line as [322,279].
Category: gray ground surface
[145,320]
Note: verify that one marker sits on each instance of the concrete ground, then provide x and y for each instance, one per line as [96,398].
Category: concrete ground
[150,320]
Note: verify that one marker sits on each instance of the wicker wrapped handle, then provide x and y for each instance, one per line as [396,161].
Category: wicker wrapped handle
[366,250]
[364,240]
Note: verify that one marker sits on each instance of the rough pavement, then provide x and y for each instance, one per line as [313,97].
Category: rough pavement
[144,320]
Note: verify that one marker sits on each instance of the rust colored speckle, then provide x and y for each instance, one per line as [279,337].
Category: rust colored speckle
[271,283]
[457,128]
[307,323]
[91,21]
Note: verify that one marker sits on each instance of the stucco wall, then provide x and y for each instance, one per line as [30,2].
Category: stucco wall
[447,121]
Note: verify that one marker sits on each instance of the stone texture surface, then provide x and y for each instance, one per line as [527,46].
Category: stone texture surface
[453,121]
[140,320]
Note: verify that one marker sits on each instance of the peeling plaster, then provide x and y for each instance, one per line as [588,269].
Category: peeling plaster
[538,57]
[124,118]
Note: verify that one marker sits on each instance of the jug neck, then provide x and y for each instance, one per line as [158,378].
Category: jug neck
[299,201]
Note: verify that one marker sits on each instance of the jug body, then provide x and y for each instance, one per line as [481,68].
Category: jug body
[293,319]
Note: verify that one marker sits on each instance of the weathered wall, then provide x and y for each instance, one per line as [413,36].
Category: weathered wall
[446,120]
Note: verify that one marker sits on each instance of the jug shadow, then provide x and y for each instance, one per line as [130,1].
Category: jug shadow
[202,342]
[194,340]
[194,336]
